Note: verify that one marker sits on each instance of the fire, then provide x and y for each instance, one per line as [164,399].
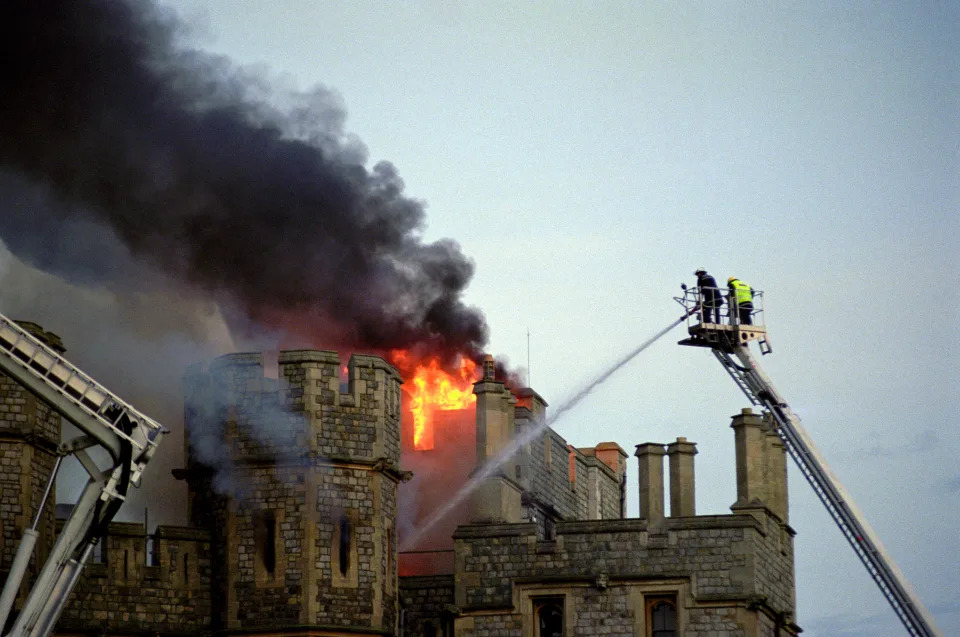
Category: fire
[432,388]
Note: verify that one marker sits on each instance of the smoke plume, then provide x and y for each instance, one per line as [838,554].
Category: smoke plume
[126,159]
[160,206]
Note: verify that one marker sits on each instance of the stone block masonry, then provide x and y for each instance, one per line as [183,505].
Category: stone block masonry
[304,516]
[29,435]
[716,566]
[123,590]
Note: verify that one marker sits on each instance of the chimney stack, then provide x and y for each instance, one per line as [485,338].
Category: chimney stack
[682,481]
[650,457]
[776,479]
[750,444]
[498,498]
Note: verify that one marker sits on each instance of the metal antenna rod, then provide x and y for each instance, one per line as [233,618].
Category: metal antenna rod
[529,373]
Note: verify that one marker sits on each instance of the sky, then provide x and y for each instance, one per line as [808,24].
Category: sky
[588,158]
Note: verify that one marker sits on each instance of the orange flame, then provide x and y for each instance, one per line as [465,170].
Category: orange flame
[431,388]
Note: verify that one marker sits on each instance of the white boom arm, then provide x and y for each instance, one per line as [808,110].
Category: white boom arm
[130,439]
[729,342]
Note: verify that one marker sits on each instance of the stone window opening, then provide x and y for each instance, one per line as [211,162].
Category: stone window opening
[345,540]
[446,624]
[662,617]
[429,629]
[265,538]
[549,529]
[344,557]
[186,568]
[99,553]
[549,617]
[389,562]
[150,549]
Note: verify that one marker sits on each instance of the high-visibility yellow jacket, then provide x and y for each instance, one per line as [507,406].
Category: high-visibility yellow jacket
[743,293]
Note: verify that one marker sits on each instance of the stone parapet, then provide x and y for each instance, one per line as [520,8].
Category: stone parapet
[428,605]
[126,590]
[732,556]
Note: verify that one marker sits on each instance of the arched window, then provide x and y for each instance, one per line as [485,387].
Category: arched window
[549,614]
[662,617]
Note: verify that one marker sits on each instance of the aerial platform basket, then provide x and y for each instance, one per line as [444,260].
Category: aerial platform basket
[731,330]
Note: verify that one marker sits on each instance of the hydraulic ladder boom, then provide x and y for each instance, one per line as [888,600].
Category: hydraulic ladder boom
[129,438]
[729,343]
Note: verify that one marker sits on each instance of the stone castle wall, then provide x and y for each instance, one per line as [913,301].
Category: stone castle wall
[126,590]
[428,602]
[303,509]
[564,482]
[718,568]
[29,435]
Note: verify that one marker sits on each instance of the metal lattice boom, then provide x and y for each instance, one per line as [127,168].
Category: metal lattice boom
[730,342]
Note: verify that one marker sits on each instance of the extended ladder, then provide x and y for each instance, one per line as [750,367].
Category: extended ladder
[729,344]
[129,438]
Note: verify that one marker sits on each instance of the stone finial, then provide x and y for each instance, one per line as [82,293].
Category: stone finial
[489,367]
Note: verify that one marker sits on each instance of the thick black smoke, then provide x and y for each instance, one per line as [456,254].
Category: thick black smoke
[124,156]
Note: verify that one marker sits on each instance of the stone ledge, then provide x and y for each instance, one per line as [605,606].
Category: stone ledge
[574,527]
[470,531]
[306,630]
[698,522]
[290,356]
[182,533]
[239,359]
[368,361]
[486,608]
[426,581]
[611,578]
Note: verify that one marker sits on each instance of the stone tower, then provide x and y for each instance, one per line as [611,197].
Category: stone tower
[296,478]
[29,436]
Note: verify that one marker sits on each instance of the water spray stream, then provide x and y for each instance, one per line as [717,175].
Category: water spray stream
[494,464]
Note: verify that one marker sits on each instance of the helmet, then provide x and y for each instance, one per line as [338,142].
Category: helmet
[699,270]
[731,279]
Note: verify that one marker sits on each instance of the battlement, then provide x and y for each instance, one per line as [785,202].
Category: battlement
[311,408]
[295,478]
[135,579]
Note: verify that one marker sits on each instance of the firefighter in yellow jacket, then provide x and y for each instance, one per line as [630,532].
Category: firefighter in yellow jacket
[741,294]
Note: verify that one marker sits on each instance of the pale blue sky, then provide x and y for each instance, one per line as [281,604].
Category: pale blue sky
[589,157]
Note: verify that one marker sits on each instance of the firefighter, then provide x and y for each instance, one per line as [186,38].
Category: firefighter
[742,295]
[710,297]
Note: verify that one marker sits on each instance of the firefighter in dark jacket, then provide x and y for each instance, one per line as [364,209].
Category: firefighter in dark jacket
[710,297]
[742,295]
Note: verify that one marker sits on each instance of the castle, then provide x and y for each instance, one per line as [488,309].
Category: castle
[296,511]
